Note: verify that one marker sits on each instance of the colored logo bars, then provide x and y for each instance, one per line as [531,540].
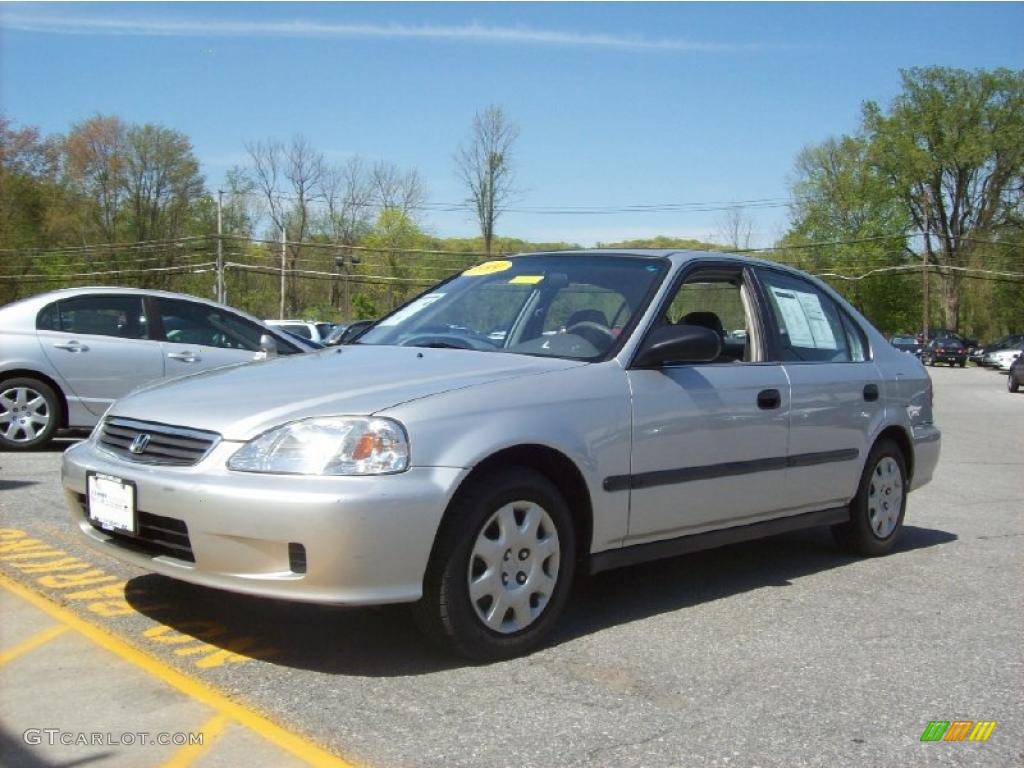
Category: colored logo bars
[958,730]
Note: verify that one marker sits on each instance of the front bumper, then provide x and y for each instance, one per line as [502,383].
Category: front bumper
[927,444]
[366,539]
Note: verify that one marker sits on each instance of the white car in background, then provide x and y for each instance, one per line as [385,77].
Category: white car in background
[1002,358]
[311,330]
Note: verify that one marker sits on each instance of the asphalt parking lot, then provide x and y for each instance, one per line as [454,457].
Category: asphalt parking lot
[774,653]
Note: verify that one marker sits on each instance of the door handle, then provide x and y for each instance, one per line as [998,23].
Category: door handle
[72,346]
[871,392]
[769,399]
[185,357]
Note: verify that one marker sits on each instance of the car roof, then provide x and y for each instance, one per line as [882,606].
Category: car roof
[674,255]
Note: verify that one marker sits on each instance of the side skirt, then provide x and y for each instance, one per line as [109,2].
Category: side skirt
[657,550]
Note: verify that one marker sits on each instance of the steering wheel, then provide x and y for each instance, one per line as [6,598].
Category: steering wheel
[595,333]
[439,340]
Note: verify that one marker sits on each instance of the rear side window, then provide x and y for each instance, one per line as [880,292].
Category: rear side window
[119,316]
[811,327]
[298,330]
[188,322]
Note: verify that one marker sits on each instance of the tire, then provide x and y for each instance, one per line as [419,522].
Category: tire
[875,524]
[1011,383]
[29,413]
[497,506]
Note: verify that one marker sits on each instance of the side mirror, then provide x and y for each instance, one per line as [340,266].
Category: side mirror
[678,344]
[268,346]
[355,330]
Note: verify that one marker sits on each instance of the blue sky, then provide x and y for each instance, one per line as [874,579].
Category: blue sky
[619,104]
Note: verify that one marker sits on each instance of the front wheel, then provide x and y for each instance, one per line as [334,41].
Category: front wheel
[876,512]
[502,567]
[29,413]
[1011,383]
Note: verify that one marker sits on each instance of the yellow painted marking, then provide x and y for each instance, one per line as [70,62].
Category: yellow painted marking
[487,268]
[298,746]
[185,756]
[33,642]
[982,730]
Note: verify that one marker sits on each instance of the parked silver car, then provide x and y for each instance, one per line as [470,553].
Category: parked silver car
[65,356]
[430,462]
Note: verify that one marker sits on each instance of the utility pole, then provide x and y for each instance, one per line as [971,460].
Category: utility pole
[222,293]
[926,252]
[283,247]
[346,291]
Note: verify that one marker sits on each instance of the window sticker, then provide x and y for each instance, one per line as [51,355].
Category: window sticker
[821,329]
[417,306]
[804,319]
[487,268]
[526,279]
[792,316]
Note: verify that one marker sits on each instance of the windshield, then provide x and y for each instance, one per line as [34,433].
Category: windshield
[573,307]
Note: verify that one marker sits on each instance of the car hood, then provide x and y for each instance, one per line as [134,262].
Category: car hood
[239,402]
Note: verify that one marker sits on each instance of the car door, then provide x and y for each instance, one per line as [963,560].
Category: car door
[709,440]
[198,336]
[835,389]
[100,346]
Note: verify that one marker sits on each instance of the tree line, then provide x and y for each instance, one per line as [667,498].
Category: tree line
[934,180]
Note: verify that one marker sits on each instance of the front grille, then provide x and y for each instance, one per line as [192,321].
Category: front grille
[157,535]
[153,443]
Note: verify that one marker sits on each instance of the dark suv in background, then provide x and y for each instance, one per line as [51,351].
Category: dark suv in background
[947,350]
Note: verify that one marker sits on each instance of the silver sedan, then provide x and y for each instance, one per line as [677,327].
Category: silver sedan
[65,356]
[529,420]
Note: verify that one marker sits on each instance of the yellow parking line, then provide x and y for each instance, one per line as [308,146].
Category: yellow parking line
[33,642]
[211,729]
[298,746]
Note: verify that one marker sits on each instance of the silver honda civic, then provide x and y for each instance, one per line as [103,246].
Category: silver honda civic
[66,355]
[527,421]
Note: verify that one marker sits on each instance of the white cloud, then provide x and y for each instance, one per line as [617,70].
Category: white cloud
[473,32]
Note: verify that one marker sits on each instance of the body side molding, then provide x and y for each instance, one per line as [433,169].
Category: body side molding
[657,550]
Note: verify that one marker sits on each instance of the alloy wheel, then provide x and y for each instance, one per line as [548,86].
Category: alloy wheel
[24,414]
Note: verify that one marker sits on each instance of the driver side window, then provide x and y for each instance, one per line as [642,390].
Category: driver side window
[718,301]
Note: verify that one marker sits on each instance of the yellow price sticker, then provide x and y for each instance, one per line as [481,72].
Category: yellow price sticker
[487,268]
[526,279]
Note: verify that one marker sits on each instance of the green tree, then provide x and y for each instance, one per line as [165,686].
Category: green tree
[161,182]
[94,162]
[952,147]
[847,219]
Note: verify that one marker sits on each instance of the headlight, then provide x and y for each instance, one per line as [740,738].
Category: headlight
[330,446]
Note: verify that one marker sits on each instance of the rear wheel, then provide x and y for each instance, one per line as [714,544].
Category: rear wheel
[1012,383]
[29,413]
[501,569]
[876,512]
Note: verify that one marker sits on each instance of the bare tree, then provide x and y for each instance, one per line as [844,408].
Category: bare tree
[734,228]
[299,169]
[397,190]
[484,164]
[348,192]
